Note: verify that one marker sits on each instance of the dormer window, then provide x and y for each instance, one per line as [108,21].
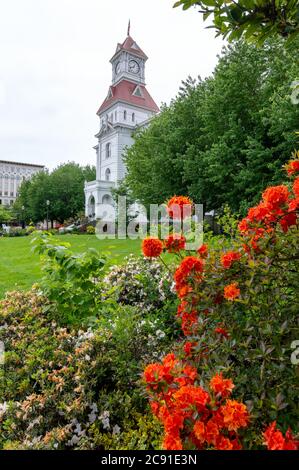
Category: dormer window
[138,92]
[108,150]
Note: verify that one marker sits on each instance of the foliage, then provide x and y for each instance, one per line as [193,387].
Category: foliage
[142,283]
[238,309]
[220,142]
[63,188]
[90,230]
[255,20]
[67,389]
[5,214]
[71,281]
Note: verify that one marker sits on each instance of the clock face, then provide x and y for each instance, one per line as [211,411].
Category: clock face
[117,67]
[133,66]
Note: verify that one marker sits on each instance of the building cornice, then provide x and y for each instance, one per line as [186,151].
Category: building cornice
[22,164]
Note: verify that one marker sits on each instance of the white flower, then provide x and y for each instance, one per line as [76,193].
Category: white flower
[160,334]
[104,417]
[116,429]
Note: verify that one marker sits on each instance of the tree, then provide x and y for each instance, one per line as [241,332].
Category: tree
[5,215]
[222,139]
[63,188]
[254,20]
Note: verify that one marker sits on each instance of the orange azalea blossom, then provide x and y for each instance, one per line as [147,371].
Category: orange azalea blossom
[184,292]
[175,243]
[179,403]
[172,442]
[152,247]
[191,396]
[221,386]
[275,440]
[292,167]
[227,259]
[221,331]
[276,196]
[191,265]
[231,291]
[179,207]
[296,187]
[234,414]
[189,318]
[189,346]
[203,251]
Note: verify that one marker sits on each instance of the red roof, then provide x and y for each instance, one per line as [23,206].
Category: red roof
[131,46]
[123,91]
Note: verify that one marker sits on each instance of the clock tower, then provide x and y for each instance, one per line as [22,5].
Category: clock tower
[127,106]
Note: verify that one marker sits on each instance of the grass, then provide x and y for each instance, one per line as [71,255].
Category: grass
[20,268]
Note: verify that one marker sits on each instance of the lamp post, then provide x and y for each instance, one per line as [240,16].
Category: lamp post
[23,219]
[48,203]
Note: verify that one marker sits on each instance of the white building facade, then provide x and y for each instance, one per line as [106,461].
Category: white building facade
[12,174]
[127,106]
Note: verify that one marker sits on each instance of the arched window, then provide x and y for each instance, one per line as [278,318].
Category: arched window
[133,117]
[125,115]
[108,150]
[107,174]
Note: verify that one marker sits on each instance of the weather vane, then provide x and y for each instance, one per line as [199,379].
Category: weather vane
[129,27]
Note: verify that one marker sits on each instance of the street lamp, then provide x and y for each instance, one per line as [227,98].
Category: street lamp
[23,218]
[48,203]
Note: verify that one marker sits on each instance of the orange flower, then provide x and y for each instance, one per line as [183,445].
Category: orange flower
[188,347]
[179,207]
[275,440]
[152,247]
[276,196]
[203,251]
[221,331]
[199,431]
[172,442]
[228,258]
[231,291]
[292,167]
[296,187]
[190,395]
[222,386]
[189,265]
[223,443]
[175,243]
[235,415]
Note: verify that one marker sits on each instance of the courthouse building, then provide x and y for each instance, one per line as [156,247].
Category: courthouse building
[127,106]
[11,176]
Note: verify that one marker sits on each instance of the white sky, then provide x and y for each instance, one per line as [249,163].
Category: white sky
[55,70]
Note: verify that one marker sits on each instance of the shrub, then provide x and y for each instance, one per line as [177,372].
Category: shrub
[70,281]
[238,311]
[141,282]
[63,389]
[90,229]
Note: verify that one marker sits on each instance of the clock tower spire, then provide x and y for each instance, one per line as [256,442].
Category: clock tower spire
[127,106]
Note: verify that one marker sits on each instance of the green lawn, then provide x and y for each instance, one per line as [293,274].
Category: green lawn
[20,268]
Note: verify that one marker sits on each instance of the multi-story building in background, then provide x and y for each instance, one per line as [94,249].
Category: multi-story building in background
[11,176]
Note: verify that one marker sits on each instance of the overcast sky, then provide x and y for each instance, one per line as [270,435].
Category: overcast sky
[55,70]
